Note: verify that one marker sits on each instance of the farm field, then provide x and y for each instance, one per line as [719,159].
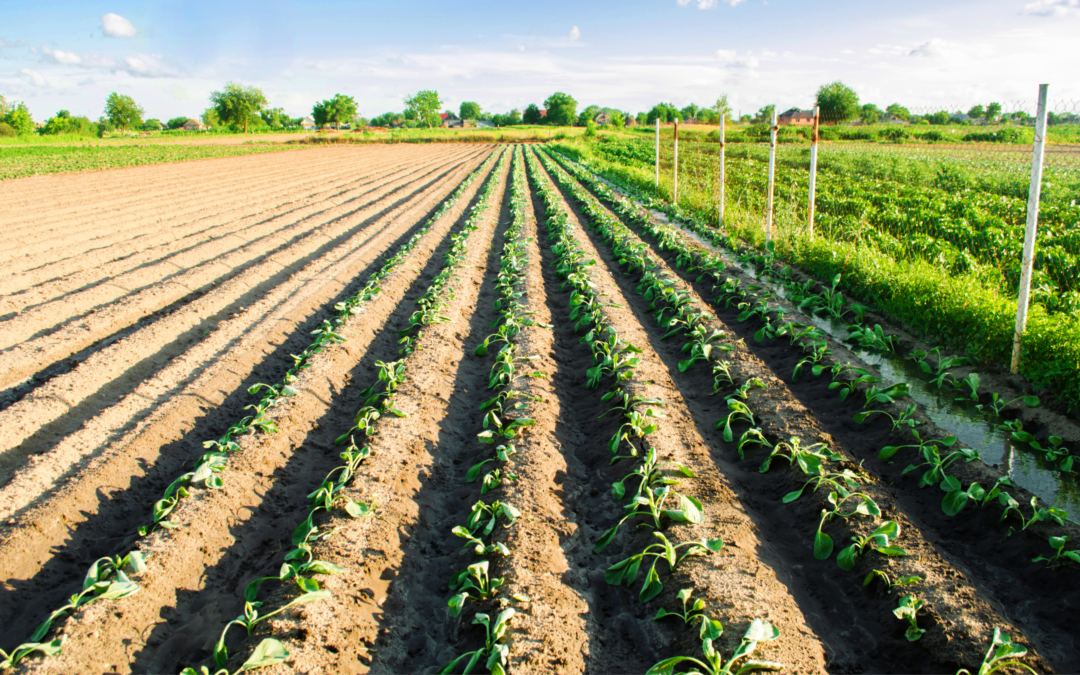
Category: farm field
[392,408]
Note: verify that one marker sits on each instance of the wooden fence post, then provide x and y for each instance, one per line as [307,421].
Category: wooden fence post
[772,178]
[813,170]
[720,198]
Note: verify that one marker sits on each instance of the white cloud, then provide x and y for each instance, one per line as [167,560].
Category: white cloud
[731,59]
[575,33]
[933,48]
[114,25]
[708,4]
[33,77]
[58,56]
[1052,7]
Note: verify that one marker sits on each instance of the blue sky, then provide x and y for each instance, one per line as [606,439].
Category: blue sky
[630,54]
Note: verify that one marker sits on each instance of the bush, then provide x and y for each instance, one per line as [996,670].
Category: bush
[893,134]
[1006,135]
[934,135]
[7,130]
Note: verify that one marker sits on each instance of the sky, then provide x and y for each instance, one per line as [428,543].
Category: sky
[630,54]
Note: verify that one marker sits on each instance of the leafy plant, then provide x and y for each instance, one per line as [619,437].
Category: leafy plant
[251,618]
[864,505]
[1060,555]
[878,541]
[1001,648]
[739,411]
[626,570]
[695,612]
[714,664]
[474,583]
[494,651]
[908,610]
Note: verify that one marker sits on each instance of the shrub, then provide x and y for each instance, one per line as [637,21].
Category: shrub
[933,135]
[7,130]
[893,134]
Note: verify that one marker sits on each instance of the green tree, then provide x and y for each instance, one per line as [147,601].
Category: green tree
[209,118]
[764,115]
[561,109]
[176,122]
[425,104]
[721,107]
[469,111]
[992,111]
[122,111]
[152,124]
[899,111]
[18,118]
[940,117]
[870,114]
[641,117]
[334,111]
[532,114]
[513,117]
[665,112]
[275,117]
[977,111]
[236,103]
[838,102]
[588,114]
[617,120]
[690,112]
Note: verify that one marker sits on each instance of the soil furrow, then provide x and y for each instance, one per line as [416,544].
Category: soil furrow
[252,470]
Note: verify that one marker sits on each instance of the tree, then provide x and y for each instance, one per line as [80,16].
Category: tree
[236,103]
[3,107]
[588,114]
[641,117]
[531,114]
[617,120]
[561,109]
[176,122]
[152,124]
[977,111]
[64,123]
[425,104]
[665,112]
[721,107]
[210,118]
[123,111]
[470,111]
[334,111]
[275,117]
[992,111]
[765,114]
[513,117]
[18,118]
[899,111]
[837,101]
[940,117]
[690,112]
[870,114]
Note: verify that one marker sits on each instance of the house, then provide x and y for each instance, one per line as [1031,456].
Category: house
[889,118]
[959,117]
[484,124]
[193,125]
[602,119]
[795,117]
[308,124]
[543,113]
[630,122]
[451,121]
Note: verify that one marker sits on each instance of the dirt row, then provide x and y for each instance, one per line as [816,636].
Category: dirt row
[55,534]
[388,611]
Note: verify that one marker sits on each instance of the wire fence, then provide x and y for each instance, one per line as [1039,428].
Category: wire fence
[950,189]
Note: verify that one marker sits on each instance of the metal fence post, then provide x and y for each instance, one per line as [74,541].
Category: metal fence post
[813,170]
[1032,223]
[657,152]
[772,178]
[675,192]
[720,198]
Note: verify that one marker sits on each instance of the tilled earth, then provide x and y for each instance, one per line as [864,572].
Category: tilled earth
[138,306]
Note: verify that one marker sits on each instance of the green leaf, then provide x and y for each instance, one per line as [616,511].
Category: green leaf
[954,502]
[118,590]
[652,587]
[823,546]
[894,551]
[846,557]
[269,652]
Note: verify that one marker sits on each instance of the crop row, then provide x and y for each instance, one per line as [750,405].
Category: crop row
[107,579]
[820,466]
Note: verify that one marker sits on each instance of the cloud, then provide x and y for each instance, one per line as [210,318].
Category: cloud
[58,56]
[1052,7]
[33,77]
[731,59]
[114,25]
[708,4]
[575,33]
[933,48]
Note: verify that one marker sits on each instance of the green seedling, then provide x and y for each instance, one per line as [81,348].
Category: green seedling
[739,411]
[635,425]
[941,372]
[494,651]
[627,570]
[847,388]
[864,505]
[473,583]
[849,478]
[908,610]
[268,653]
[477,544]
[937,464]
[743,390]
[1047,515]
[689,613]
[818,352]
[877,396]
[503,453]
[1060,555]
[711,630]
[1001,648]
[700,346]
[808,459]
[871,338]
[904,419]
[997,404]
[889,583]
[971,384]
[878,541]
[483,516]
[22,651]
[722,378]
[1054,451]
[251,618]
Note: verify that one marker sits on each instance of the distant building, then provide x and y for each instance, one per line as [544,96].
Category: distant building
[484,124]
[889,118]
[630,122]
[308,124]
[959,117]
[602,119]
[193,125]
[451,121]
[795,117]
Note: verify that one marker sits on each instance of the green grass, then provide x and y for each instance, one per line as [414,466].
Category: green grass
[33,160]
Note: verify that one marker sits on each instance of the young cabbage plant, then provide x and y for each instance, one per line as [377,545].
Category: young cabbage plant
[493,653]
[250,618]
[971,385]
[907,610]
[690,612]
[871,338]
[849,387]
[483,516]
[473,583]
[626,570]
[700,346]
[937,464]
[997,404]
[714,664]
[875,395]
[1048,515]
[878,541]
[1001,649]
[904,419]
[739,411]
[268,653]
[864,505]
[27,649]
[909,580]
[1060,554]
[818,352]
[849,478]
[1054,451]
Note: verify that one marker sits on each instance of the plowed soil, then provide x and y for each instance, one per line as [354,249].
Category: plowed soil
[138,306]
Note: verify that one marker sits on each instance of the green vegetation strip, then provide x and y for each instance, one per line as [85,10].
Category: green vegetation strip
[106,578]
[35,160]
[942,306]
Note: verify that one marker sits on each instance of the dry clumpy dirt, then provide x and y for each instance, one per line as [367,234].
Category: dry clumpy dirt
[132,323]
